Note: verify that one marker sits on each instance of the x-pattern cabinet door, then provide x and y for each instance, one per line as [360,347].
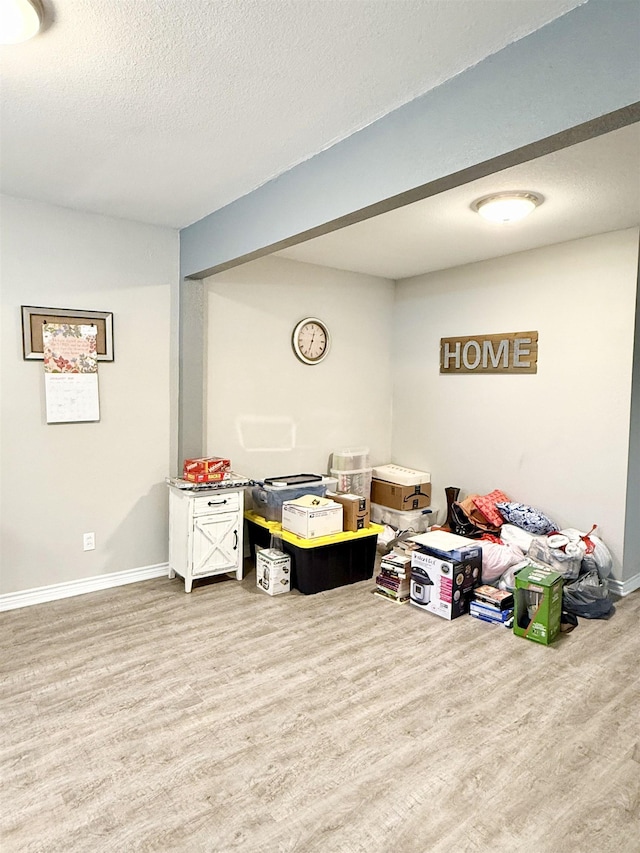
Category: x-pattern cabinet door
[216,543]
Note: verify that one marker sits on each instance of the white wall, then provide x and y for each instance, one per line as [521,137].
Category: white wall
[269,412]
[59,481]
[558,439]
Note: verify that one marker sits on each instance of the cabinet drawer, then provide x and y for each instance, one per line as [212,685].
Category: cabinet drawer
[222,502]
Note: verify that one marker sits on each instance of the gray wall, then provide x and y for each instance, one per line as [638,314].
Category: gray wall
[62,480]
[557,439]
[265,409]
[577,77]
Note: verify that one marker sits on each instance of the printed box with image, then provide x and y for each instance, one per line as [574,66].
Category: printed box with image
[444,571]
[538,604]
[273,571]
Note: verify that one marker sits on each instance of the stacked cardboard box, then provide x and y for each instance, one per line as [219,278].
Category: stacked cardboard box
[206,469]
[311,517]
[400,488]
[355,510]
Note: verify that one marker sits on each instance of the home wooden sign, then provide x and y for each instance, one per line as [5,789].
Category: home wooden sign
[512,352]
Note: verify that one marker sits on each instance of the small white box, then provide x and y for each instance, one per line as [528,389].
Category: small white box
[273,571]
[400,475]
[309,522]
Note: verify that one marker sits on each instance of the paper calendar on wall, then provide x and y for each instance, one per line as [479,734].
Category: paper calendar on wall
[70,373]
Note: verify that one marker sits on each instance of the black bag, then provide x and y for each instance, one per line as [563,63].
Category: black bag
[461,524]
[588,596]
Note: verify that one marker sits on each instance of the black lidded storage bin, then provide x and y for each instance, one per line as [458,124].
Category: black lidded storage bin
[322,567]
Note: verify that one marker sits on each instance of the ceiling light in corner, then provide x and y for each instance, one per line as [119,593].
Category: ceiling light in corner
[20,20]
[507,207]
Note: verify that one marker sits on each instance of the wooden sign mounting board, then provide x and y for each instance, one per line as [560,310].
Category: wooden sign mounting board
[512,352]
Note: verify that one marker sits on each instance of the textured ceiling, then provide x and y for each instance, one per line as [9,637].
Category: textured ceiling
[163,111]
[589,188]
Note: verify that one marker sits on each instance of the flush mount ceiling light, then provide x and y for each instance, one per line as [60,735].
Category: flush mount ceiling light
[507,207]
[19,20]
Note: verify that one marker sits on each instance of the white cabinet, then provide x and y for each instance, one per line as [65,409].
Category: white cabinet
[205,533]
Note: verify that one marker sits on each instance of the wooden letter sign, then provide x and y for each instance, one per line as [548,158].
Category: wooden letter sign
[514,352]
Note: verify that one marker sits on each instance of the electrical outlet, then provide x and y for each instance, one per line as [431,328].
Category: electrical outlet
[89,541]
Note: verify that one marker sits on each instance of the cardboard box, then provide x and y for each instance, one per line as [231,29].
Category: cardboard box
[355,510]
[538,604]
[397,496]
[442,580]
[310,517]
[206,469]
[273,571]
[214,477]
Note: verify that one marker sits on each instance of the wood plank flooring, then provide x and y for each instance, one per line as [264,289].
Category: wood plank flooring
[144,719]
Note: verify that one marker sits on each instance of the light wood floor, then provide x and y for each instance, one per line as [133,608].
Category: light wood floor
[144,719]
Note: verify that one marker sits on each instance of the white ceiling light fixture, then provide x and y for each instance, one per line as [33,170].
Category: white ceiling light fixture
[20,20]
[507,206]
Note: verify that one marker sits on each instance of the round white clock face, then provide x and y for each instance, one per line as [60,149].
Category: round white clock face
[310,340]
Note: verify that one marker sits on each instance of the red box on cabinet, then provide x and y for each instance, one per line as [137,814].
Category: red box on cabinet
[207,469]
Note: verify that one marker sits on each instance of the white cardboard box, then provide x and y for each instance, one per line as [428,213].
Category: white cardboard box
[310,522]
[273,571]
[400,475]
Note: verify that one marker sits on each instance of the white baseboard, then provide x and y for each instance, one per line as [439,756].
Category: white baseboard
[13,600]
[41,594]
[623,588]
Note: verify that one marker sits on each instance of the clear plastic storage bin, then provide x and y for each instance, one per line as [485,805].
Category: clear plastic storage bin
[417,520]
[350,459]
[268,500]
[354,482]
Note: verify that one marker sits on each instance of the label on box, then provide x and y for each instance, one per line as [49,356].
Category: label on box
[213,477]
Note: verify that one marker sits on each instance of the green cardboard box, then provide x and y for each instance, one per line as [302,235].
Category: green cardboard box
[538,604]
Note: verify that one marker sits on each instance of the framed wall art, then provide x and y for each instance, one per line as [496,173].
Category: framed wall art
[33,320]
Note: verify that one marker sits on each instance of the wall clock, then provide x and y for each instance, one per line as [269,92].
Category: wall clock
[310,340]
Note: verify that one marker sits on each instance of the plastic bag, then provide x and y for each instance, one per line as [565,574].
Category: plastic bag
[588,596]
[599,559]
[508,579]
[596,555]
[566,563]
[496,559]
[512,535]
[385,539]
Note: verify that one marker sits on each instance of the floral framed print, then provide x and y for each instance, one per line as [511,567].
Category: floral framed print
[34,319]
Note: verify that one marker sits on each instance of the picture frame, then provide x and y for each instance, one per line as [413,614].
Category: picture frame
[34,318]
